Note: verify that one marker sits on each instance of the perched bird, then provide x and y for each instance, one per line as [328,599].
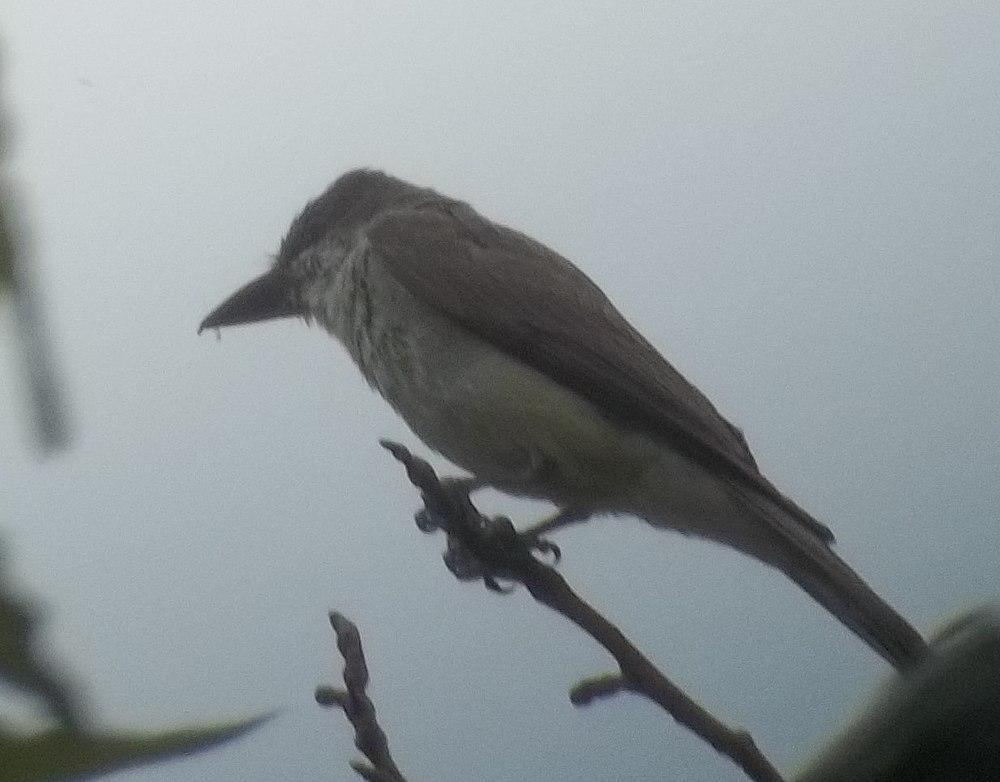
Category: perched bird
[507,359]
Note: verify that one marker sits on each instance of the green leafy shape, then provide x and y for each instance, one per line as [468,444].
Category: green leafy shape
[70,751]
[939,721]
[22,664]
[66,754]
[45,391]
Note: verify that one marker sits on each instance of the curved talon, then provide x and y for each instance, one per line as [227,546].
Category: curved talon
[531,539]
[544,546]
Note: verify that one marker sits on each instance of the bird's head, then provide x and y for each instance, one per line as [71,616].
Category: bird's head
[313,249]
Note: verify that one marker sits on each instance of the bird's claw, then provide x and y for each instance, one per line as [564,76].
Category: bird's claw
[543,546]
[497,533]
[466,566]
[462,563]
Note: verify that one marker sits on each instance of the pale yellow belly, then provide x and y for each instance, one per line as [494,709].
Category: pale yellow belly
[511,426]
[514,428]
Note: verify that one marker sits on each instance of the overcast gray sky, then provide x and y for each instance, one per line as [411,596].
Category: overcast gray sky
[797,202]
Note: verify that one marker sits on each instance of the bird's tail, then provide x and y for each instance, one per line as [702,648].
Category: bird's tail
[805,557]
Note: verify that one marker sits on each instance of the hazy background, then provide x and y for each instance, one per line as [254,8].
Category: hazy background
[797,202]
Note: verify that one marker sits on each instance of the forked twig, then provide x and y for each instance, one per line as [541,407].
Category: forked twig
[501,553]
[355,703]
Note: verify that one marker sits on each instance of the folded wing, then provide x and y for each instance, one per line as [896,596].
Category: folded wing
[532,303]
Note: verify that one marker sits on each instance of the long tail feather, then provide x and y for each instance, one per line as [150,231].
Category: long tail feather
[809,561]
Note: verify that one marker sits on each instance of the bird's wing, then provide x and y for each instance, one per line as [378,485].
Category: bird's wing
[538,307]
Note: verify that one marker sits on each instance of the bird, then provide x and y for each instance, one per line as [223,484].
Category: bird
[504,357]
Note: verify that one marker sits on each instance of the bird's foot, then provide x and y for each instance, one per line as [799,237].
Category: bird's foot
[561,518]
[534,542]
[498,533]
[488,550]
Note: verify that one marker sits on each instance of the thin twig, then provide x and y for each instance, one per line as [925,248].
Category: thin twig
[503,554]
[355,703]
[590,689]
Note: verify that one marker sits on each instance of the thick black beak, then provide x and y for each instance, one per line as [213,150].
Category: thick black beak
[271,295]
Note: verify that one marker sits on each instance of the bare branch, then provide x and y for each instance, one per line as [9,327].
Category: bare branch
[604,686]
[501,553]
[355,703]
